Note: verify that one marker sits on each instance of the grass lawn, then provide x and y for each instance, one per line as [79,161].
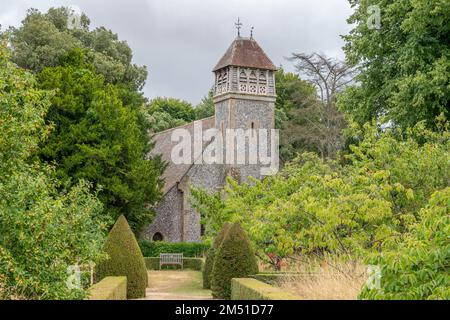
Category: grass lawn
[176,285]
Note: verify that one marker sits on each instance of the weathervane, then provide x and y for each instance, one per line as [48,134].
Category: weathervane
[238,25]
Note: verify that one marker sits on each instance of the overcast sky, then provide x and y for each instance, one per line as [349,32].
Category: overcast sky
[180,41]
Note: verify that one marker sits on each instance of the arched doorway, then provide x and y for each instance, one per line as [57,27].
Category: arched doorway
[157,237]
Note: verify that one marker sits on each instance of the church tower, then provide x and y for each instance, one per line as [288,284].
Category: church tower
[244,93]
[244,98]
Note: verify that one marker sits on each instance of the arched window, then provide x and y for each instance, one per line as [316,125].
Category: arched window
[224,76]
[202,229]
[243,81]
[224,81]
[157,237]
[243,76]
[262,78]
[253,78]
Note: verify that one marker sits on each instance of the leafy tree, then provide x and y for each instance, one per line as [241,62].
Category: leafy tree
[404,66]
[206,107]
[417,268]
[42,231]
[316,207]
[323,121]
[160,121]
[44,39]
[166,113]
[234,259]
[295,108]
[176,108]
[210,256]
[96,138]
[125,259]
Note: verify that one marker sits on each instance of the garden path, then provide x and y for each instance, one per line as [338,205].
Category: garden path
[176,285]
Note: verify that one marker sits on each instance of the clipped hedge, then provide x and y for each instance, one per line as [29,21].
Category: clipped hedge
[252,289]
[235,258]
[152,263]
[210,256]
[125,259]
[188,249]
[110,288]
[276,278]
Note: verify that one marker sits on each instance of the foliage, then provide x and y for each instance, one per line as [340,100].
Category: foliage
[176,108]
[97,138]
[315,206]
[210,256]
[404,65]
[152,263]
[160,121]
[167,113]
[206,107]
[125,259]
[188,249]
[295,99]
[210,206]
[324,122]
[44,38]
[110,288]
[252,289]
[417,268]
[42,232]
[234,259]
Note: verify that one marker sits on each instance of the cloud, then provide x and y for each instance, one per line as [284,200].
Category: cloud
[180,41]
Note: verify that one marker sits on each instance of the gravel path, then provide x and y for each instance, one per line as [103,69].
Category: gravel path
[176,285]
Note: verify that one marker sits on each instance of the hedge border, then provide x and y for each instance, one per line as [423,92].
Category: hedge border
[188,249]
[252,289]
[110,288]
[276,278]
[152,263]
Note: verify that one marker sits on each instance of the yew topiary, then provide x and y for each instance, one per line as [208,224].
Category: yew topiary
[234,258]
[125,259]
[209,262]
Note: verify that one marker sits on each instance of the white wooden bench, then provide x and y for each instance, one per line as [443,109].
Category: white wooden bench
[170,259]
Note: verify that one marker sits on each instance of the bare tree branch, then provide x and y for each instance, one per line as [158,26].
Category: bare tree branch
[329,77]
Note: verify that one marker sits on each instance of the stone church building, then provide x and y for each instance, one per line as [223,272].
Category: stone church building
[244,97]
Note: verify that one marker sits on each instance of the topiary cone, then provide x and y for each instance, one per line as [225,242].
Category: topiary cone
[125,259]
[209,262]
[234,259]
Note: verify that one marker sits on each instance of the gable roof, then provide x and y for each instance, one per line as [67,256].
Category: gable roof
[163,146]
[245,52]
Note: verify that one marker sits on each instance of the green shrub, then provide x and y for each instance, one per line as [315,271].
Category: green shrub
[276,277]
[125,259]
[188,249]
[152,263]
[252,289]
[349,208]
[234,259]
[110,288]
[417,267]
[209,262]
[43,230]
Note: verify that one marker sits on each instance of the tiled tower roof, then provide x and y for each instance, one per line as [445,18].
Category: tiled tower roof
[245,52]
